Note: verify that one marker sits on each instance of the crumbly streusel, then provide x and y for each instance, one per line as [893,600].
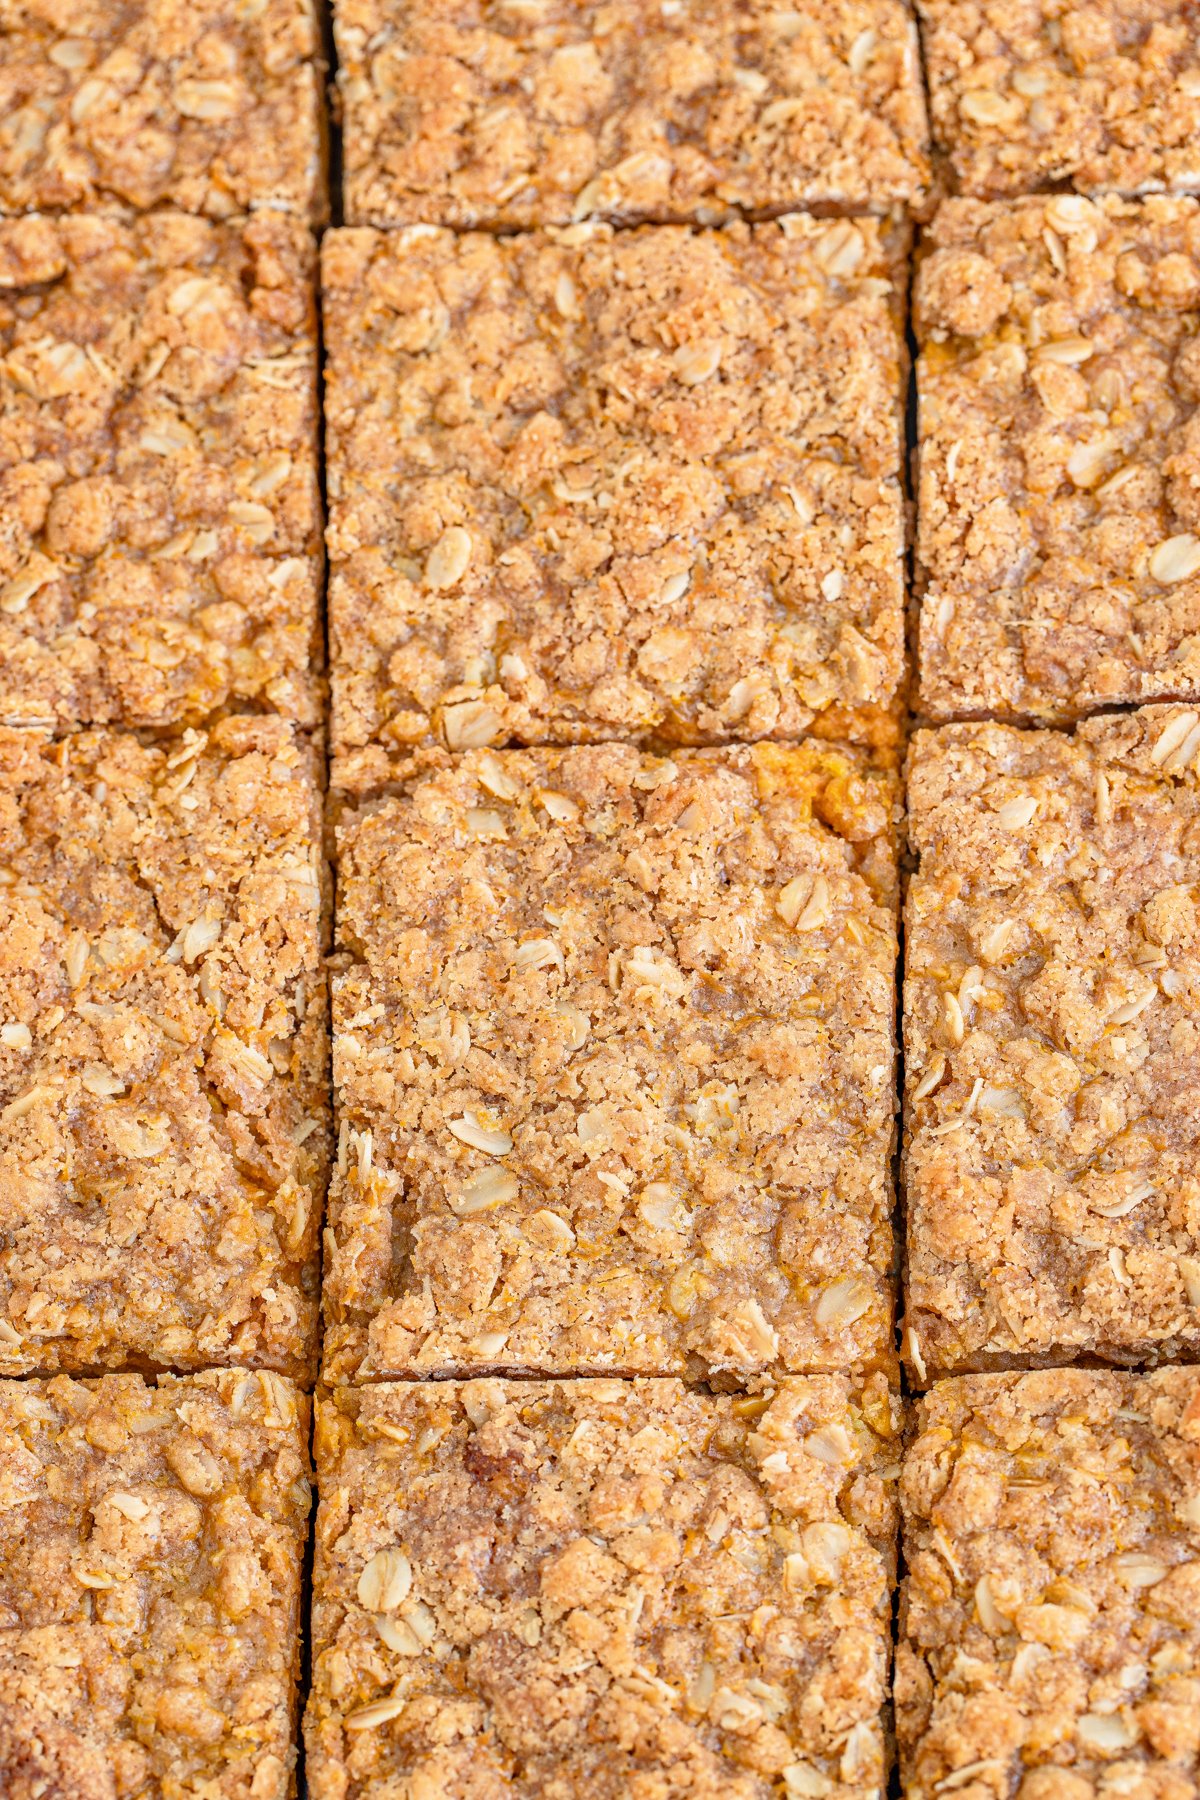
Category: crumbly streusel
[613,1066]
[588,484]
[163,1108]
[1028,93]
[151,1539]
[614,1588]
[214,107]
[1050,1618]
[1059,486]
[1052,1118]
[160,521]
[537,112]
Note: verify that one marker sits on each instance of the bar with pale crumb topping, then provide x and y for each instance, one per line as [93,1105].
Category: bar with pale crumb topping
[160,518]
[1058,534]
[613,1055]
[549,1589]
[151,1543]
[519,113]
[214,107]
[593,484]
[163,1067]
[1050,1615]
[1031,94]
[1052,1116]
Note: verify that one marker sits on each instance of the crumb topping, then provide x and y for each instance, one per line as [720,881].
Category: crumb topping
[613,1064]
[555,1588]
[646,485]
[1053,969]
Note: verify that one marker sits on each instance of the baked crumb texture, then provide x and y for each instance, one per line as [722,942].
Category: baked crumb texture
[1026,94]
[162,1049]
[550,1589]
[213,107]
[150,1550]
[1050,1616]
[587,485]
[614,1067]
[538,112]
[160,523]
[1053,1105]
[1059,445]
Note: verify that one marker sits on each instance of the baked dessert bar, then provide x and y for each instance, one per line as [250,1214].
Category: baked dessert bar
[213,107]
[537,112]
[1059,445]
[1049,1628]
[160,522]
[1052,967]
[1027,94]
[587,485]
[151,1539]
[613,1066]
[163,1102]
[554,1588]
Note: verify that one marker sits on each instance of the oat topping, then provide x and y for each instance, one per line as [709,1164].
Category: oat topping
[1050,1627]
[612,1588]
[540,112]
[160,521]
[163,1131]
[214,107]
[614,1066]
[1059,491]
[1028,93]
[150,1551]
[647,485]
[1051,985]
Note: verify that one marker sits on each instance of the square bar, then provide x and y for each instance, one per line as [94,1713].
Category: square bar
[210,107]
[550,1589]
[587,485]
[160,550]
[1059,490]
[151,1540]
[537,112]
[163,1110]
[1052,1131]
[613,1067]
[1027,94]
[1049,1628]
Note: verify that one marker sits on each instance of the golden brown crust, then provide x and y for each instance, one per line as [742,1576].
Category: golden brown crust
[163,1107]
[160,552]
[553,1589]
[537,112]
[213,107]
[1052,1118]
[1050,1625]
[1028,93]
[150,1552]
[613,1062]
[647,485]
[1059,488]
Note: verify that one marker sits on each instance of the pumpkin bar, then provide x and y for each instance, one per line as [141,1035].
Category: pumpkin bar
[151,1542]
[538,112]
[1028,94]
[552,1588]
[1049,1620]
[160,520]
[1059,446]
[214,107]
[163,1129]
[589,485]
[613,1066]
[1052,969]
